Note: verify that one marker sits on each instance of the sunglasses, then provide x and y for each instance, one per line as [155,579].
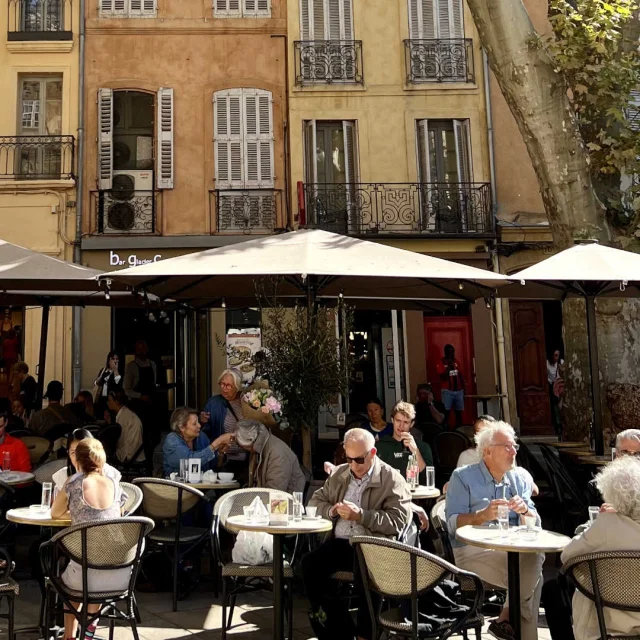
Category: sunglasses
[358,460]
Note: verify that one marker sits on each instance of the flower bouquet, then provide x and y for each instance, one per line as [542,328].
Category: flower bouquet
[261,404]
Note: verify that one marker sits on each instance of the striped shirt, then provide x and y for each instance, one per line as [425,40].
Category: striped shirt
[234,452]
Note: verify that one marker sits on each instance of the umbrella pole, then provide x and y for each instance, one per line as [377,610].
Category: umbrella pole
[592,336]
[44,333]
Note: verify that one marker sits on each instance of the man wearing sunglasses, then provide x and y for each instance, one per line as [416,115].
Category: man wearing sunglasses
[365,496]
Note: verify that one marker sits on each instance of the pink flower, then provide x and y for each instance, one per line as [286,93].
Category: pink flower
[264,409]
[256,404]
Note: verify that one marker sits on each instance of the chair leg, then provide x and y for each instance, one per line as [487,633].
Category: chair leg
[112,623]
[176,564]
[136,610]
[290,609]
[134,628]
[10,619]
[225,602]
[231,608]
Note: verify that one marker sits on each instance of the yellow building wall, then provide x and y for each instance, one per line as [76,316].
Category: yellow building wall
[40,214]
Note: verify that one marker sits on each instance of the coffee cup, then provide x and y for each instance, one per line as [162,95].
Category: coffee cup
[311,511]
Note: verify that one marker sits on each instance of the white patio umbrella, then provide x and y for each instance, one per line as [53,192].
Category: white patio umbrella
[312,264]
[586,271]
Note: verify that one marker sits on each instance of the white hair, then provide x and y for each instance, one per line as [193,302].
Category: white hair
[485,437]
[247,432]
[237,378]
[360,435]
[619,484]
[628,434]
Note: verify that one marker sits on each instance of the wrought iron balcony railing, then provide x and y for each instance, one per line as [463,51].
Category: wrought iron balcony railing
[248,211]
[401,208]
[448,60]
[36,157]
[39,20]
[328,62]
[124,212]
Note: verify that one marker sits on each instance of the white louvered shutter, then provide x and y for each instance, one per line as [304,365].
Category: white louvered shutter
[120,7]
[306,10]
[227,8]
[106,7]
[256,8]
[427,213]
[263,10]
[463,150]
[228,144]
[258,138]
[310,144]
[164,159]
[318,29]
[105,138]
[142,8]
[422,20]
[456,23]
[633,111]
[350,151]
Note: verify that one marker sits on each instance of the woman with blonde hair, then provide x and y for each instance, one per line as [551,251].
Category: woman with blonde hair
[90,496]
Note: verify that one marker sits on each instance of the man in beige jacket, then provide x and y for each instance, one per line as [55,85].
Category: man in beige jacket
[365,496]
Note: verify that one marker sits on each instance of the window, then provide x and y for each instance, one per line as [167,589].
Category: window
[326,20]
[128,8]
[243,139]
[242,8]
[435,19]
[126,137]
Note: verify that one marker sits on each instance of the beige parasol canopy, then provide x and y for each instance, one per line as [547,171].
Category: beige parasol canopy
[310,262]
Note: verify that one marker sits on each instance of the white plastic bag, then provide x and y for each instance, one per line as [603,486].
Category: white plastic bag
[254,547]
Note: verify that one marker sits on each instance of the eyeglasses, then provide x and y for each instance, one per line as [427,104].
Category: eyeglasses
[358,460]
[625,452]
[507,447]
[226,385]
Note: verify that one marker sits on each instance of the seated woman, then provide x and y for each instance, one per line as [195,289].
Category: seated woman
[186,440]
[90,496]
[60,477]
[273,464]
[377,424]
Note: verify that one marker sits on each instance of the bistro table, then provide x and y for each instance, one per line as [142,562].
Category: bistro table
[17,477]
[207,486]
[424,493]
[307,525]
[514,543]
[26,515]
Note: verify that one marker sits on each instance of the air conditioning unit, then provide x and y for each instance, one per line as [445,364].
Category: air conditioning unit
[128,207]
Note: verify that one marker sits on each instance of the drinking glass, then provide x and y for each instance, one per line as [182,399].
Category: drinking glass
[431,477]
[47,492]
[6,461]
[503,518]
[530,532]
[593,513]
[297,506]
[613,453]
[248,513]
[184,470]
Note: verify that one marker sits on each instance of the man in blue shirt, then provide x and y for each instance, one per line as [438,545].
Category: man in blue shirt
[475,492]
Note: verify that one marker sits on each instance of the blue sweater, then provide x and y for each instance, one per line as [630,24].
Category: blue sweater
[175,449]
[217,407]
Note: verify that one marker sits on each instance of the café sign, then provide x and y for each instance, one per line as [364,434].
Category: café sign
[131,260]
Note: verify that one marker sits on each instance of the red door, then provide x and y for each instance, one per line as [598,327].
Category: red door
[455,331]
[530,367]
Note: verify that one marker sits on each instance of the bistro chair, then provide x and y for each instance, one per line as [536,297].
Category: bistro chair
[44,473]
[20,432]
[39,449]
[239,578]
[7,501]
[106,544]
[396,571]
[9,589]
[447,447]
[609,579]
[134,498]
[132,469]
[166,502]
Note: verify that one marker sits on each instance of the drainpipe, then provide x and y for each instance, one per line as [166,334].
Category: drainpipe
[495,264]
[77,249]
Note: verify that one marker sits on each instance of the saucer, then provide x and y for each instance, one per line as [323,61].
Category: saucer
[316,517]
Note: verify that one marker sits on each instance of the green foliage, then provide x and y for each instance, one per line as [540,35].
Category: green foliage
[600,73]
[302,359]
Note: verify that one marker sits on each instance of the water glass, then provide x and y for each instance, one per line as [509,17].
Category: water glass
[431,478]
[47,492]
[297,506]
[184,470]
[593,513]
[6,461]
[503,518]
[248,514]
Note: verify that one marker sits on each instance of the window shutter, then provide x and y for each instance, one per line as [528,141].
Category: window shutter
[633,111]
[444,19]
[105,138]
[149,7]
[258,138]
[135,8]
[463,150]
[142,8]
[334,20]
[318,26]
[415,23]
[421,19]
[265,124]
[227,8]
[250,7]
[350,157]
[119,7]
[424,170]
[347,20]
[263,9]
[106,7]
[457,19]
[164,158]
[227,127]
[305,12]
[310,143]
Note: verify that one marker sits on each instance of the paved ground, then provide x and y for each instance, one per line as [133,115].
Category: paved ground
[197,617]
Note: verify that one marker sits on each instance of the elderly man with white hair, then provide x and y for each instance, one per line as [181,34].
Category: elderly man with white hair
[475,492]
[365,496]
[628,443]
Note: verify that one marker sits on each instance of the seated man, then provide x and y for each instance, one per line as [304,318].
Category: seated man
[475,492]
[428,409]
[628,443]
[18,452]
[54,414]
[131,436]
[365,496]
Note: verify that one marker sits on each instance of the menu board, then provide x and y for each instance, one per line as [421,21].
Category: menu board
[242,345]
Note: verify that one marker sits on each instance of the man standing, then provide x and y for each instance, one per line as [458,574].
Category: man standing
[365,496]
[427,409]
[474,494]
[452,385]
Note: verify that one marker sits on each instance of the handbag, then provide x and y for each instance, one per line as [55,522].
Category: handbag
[96,392]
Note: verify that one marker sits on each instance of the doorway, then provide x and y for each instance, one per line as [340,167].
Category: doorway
[456,331]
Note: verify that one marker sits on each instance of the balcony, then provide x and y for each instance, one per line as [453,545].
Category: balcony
[247,211]
[124,212]
[448,60]
[39,20]
[403,208]
[36,157]
[328,62]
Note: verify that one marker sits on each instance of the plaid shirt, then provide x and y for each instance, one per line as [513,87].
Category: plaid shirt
[345,529]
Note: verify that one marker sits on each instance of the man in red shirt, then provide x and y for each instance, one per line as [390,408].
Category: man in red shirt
[452,385]
[20,460]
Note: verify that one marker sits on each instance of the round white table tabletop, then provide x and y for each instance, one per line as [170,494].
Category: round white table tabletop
[25,515]
[17,477]
[493,538]
[424,493]
[207,486]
